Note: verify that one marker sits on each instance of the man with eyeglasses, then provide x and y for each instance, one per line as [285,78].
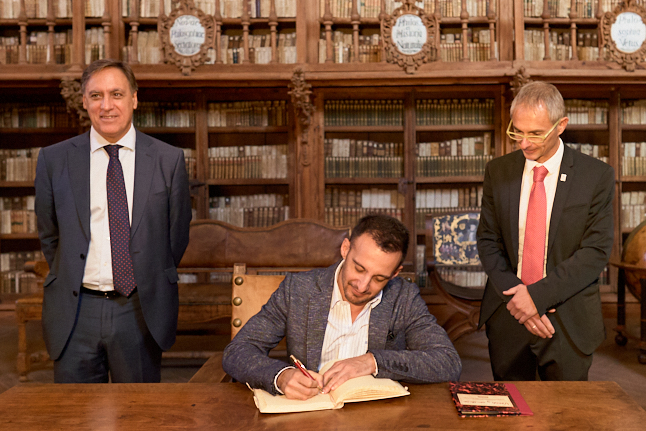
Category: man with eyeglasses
[545,235]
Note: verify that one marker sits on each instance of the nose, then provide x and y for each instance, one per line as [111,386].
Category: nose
[106,103]
[363,284]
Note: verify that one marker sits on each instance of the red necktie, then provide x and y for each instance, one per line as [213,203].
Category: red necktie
[123,276]
[534,245]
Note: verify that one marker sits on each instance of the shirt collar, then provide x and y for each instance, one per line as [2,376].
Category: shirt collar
[336,292]
[553,164]
[127,141]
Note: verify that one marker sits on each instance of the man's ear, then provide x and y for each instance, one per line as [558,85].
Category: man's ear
[134,101]
[561,127]
[84,102]
[345,248]
[397,271]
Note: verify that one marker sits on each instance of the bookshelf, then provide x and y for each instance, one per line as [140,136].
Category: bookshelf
[415,153]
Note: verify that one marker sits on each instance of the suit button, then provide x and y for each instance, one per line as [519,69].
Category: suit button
[75,293]
[82,256]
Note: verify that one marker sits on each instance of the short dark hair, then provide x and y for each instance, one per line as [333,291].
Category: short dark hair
[389,233]
[99,65]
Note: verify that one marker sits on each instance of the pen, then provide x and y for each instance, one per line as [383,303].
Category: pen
[301,367]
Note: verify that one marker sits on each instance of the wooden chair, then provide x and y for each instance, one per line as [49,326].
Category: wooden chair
[454,268]
[250,292]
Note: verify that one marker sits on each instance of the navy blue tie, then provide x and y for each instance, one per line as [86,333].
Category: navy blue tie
[122,273]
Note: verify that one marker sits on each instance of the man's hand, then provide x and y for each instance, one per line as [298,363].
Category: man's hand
[540,326]
[341,371]
[521,306]
[296,385]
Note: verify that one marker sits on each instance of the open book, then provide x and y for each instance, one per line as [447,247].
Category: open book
[364,388]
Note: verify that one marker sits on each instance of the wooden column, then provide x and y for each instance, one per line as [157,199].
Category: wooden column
[327,21]
[217,17]
[355,19]
[134,32]
[546,30]
[106,21]
[51,21]
[273,24]
[245,31]
[464,19]
[573,15]
[22,22]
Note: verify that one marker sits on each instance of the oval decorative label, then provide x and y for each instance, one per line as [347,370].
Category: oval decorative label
[187,35]
[628,32]
[409,34]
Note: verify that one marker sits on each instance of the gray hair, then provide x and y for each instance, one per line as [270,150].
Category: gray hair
[539,93]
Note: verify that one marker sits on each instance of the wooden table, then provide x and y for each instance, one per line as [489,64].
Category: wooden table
[229,406]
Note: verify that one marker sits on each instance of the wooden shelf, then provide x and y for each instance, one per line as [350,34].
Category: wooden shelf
[363,129]
[167,130]
[18,236]
[586,127]
[456,128]
[248,182]
[362,180]
[39,130]
[249,129]
[635,127]
[633,179]
[449,180]
[17,184]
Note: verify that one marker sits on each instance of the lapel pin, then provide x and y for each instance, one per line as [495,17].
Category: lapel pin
[563,177]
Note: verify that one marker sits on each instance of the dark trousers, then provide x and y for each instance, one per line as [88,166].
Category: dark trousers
[110,341]
[516,354]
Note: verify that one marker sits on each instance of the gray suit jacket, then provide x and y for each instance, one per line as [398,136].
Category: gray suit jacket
[161,215]
[578,247]
[404,337]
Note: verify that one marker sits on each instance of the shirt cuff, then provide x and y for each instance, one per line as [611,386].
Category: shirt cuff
[276,379]
[376,366]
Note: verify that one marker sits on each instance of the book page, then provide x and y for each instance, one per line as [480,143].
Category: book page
[268,403]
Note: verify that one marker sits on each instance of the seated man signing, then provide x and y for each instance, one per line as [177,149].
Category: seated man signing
[357,312]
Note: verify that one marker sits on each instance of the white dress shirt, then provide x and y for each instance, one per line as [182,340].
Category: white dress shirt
[98,266]
[553,166]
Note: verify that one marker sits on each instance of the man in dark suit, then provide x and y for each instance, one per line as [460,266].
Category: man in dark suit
[357,312]
[545,235]
[113,211]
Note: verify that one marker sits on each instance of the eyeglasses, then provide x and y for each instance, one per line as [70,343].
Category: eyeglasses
[531,138]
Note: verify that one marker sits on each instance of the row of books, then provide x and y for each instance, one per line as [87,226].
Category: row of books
[420,265]
[38,50]
[260,51]
[586,111]
[466,146]
[600,152]
[562,8]
[258,210]
[255,8]
[336,147]
[633,112]
[633,209]
[633,149]
[587,46]
[451,166]
[164,114]
[421,213]
[248,113]
[461,197]
[148,48]
[15,260]
[432,112]
[475,51]
[251,161]
[342,197]
[190,160]
[369,50]
[18,282]
[17,221]
[372,8]
[10,9]
[364,112]
[28,115]
[350,216]
[466,277]
[18,165]
[631,166]
[364,167]
[250,217]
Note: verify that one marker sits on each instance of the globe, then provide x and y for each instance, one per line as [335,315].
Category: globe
[635,254]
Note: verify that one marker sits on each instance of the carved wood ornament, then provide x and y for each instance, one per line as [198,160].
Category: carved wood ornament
[623,33]
[71,92]
[403,35]
[300,92]
[186,35]
[520,78]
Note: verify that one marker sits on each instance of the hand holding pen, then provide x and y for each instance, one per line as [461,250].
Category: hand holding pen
[301,367]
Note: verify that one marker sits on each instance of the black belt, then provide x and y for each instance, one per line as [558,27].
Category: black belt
[108,294]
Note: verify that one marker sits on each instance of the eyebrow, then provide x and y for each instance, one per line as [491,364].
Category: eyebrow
[363,267]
